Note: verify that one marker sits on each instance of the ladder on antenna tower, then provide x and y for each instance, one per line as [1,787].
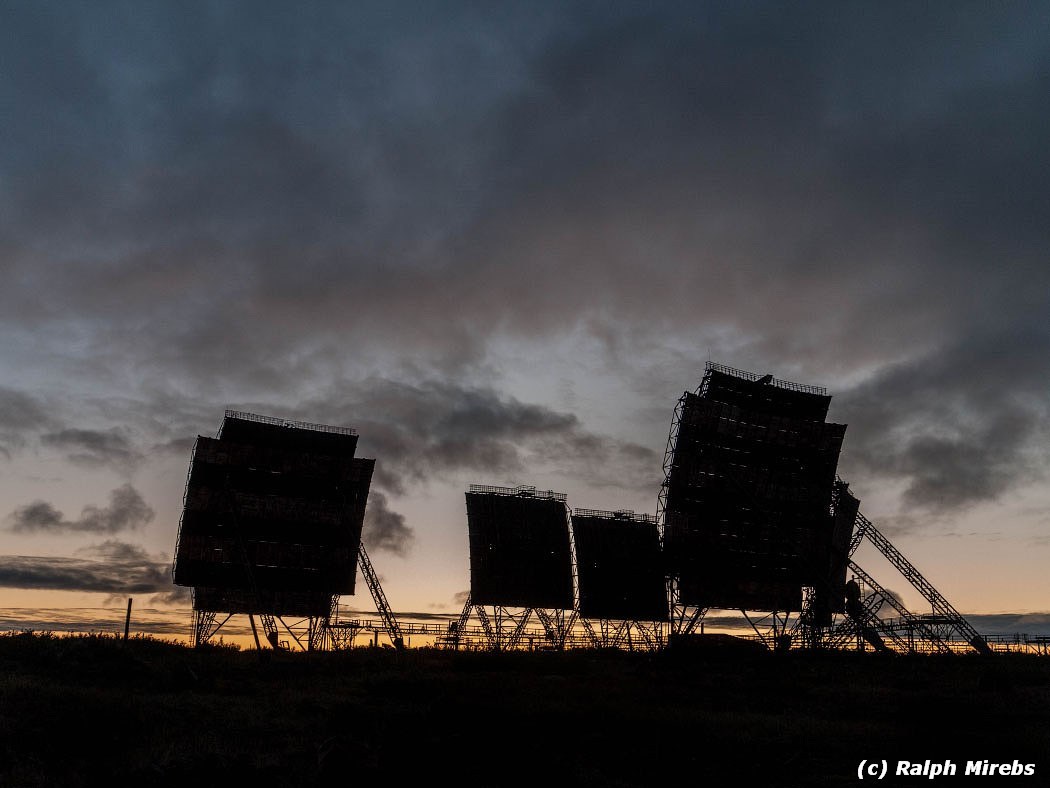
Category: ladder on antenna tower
[393,629]
[864,529]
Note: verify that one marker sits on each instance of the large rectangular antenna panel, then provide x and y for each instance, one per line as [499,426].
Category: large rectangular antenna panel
[519,548]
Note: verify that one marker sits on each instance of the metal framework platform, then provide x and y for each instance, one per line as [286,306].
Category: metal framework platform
[271,528]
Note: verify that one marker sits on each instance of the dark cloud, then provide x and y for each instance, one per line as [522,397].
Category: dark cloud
[963,423]
[203,207]
[436,429]
[19,411]
[92,448]
[20,414]
[111,567]
[177,596]
[139,564]
[1006,624]
[127,511]
[165,420]
[114,551]
[384,528]
[896,597]
[180,447]
[38,516]
[156,422]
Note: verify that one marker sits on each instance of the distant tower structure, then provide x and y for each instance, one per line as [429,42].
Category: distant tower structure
[746,500]
[622,598]
[755,519]
[520,565]
[271,526]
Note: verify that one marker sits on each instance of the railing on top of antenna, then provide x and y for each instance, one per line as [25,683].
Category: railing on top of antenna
[619,514]
[523,490]
[301,425]
[783,384]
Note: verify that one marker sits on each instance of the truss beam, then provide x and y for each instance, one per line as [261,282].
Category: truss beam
[393,629]
[865,529]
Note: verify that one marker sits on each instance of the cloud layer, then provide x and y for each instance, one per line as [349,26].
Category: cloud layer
[396,206]
[91,448]
[435,429]
[127,511]
[963,425]
[385,529]
[113,567]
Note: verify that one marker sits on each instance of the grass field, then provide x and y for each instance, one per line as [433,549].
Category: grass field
[85,711]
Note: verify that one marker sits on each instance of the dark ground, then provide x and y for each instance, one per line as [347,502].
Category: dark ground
[83,711]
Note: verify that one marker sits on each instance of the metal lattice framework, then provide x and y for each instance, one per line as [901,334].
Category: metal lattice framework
[271,527]
[619,566]
[614,545]
[542,582]
[747,470]
[943,611]
[943,630]
[393,628]
[522,566]
[684,618]
[621,599]
[820,622]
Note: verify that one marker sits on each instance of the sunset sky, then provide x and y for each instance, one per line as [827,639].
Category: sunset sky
[500,240]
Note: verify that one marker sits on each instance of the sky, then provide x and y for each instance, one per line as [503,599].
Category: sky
[500,240]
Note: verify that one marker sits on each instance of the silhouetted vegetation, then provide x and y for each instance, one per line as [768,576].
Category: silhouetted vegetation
[92,710]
